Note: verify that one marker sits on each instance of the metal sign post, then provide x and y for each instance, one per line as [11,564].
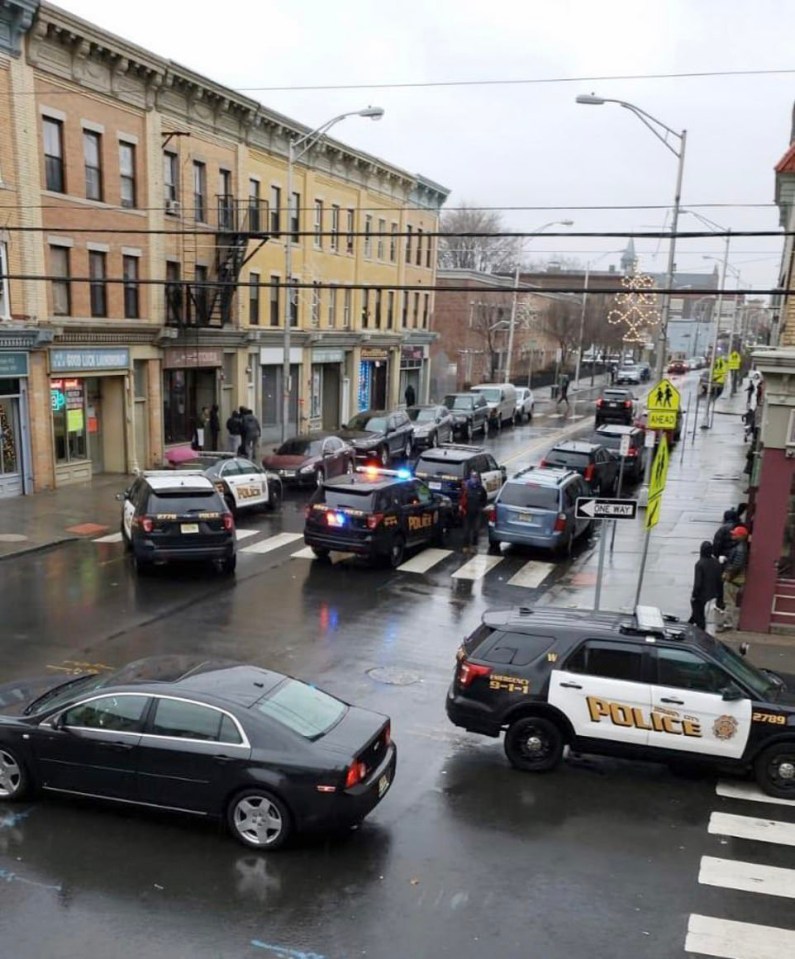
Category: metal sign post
[659,477]
[684,428]
[623,452]
[593,507]
[600,568]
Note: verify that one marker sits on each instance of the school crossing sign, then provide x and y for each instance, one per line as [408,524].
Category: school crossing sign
[657,480]
[663,405]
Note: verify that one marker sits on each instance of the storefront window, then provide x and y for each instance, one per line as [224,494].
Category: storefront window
[185,392]
[317,382]
[68,402]
[9,428]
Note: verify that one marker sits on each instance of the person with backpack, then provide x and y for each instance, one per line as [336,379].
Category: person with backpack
[234,427]
[473,499]
[251,435]
[734,576]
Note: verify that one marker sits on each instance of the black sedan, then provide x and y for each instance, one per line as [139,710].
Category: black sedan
[267,753]
[379,435]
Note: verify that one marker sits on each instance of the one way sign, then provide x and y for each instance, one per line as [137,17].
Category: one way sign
[592,507]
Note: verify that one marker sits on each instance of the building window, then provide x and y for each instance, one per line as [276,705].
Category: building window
[404,321]
[131,304]
[199,192]
[127,174]
[416,309]
[365,309]
[54,173]
[173,294]
[293,292]
[419,246]
[275,317]
[379,295]
[61,287]
[428,251]
[5,304]
[381,239]
[347,302]
[254,219]
[426,311]
[92,161]
[408,244]
[201,296]
[97,287]
[295,217]
[315,318]
[276,210]
[335,229]
[390,309]
[368,236]
[332,306]
[68,403]
[226,201]
[319,224]
[253,298]
[393,244]
[170,180]
[351,220]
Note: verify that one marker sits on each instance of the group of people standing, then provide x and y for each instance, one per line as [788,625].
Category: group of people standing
[244,433]
[720,573]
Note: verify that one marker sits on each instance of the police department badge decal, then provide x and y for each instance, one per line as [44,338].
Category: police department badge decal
[724,727]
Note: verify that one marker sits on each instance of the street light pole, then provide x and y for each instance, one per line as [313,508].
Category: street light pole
[582,325]
[710,399]
[306,142]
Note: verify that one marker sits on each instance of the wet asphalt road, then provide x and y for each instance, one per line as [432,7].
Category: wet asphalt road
[465,857]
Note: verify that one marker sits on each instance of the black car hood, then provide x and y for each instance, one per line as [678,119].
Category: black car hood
[360,436]
[16,695]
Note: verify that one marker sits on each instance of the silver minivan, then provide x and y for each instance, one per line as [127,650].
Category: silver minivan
[501,398]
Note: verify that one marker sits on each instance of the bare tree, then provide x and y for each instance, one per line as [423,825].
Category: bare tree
[490,323]
[561,320]
[475,241]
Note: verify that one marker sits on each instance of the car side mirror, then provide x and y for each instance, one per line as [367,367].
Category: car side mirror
[58,722]
[731,693]
[120,497]
[504,471]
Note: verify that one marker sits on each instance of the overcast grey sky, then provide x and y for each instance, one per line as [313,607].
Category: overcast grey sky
[525,145]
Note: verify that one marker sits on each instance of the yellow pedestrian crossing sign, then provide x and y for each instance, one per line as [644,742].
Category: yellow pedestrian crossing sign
[653,512]
[663,406]
[734,360]
[719,370]
[659,475]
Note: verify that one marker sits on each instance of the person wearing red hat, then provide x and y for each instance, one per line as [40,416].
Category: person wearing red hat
[734,576]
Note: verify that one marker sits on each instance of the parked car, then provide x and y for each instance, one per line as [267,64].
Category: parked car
[703,383]
[591,460]
[501,398]
[536,507]
[645,372]
[616,406]
[432,425]
[379,434]
[525,404]
[242,483]
[635,460]
[266,753]
[628,374]
[677,366]
[308,459]
[470,413]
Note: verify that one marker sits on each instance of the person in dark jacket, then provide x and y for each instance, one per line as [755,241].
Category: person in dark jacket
[722,541]
[707,585]
[734,576]
[473,499]
[234,426]
[410,396]
[251,435]
[214,427]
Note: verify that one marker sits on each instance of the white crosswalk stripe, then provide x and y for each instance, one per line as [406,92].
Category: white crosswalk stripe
[747,877]
[477,567]
[245,533]
[423,561]
[110,538]
[305,553]
[334,557]
[727,939]
[750,792]
[272,542]
[532,574]
[747,827]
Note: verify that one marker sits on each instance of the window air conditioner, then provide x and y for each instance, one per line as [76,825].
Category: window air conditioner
[172,206]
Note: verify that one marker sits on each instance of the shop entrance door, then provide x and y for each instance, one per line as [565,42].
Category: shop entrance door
[10,448]
[94,424]
[272,399]
[331,397]
[379,390]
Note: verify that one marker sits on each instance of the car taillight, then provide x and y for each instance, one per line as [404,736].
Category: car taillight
[560,523]
[229,521]
[632,451]
[599,402]
[374,519]
[356,773]
[628,404]
[388,734]
[469,672]
[588,472]
[147,524]
[543,463]
[491,513]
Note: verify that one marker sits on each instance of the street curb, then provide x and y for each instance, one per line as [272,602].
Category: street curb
[25,550]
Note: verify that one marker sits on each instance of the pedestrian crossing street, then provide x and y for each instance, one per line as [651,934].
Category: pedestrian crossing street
[529,574]
[726,938]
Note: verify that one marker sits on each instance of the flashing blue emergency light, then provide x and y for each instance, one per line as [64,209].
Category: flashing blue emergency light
[404,473]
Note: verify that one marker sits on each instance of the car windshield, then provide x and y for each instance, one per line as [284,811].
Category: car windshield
[742,670]
[492,395]
[568,458]
[363,421]
[64,693]
[304,709]
[352,497]
[426,414]
[184,501]
[458,402]
[427,466]
[299,447]
[610,440]
[530,496]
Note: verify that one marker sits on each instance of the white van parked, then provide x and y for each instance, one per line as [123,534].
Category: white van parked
[501,398]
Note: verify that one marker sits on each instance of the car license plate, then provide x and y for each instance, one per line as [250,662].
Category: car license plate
[383,784]
[436,486]
[189,527]
[525,517]
[612,405]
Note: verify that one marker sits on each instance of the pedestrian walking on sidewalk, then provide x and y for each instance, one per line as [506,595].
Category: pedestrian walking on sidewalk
[749,393]
[707,586]
[722,541]
[251,435]
[214,427]
[234,426]
[473,499]
[734,576]
[563,391]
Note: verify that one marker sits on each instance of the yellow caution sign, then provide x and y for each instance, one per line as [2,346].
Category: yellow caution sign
[659,469]
[734,360]
[653,512]
[719,370]
[663,404]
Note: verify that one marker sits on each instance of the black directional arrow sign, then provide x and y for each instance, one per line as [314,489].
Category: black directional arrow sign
[592,507]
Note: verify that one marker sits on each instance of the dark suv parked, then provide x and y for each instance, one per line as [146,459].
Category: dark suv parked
[470,413]
[616,406]
[379,434]
[635,460]
[593,462]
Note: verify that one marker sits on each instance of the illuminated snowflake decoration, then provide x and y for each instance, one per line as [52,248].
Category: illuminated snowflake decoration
[637,308]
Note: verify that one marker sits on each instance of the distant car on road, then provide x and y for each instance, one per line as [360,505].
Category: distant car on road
[616,406]
[310,458]
[501,398]
[628,374]
[268,754]
[525,404]
[611,435]
[379,434]
[677,366]
[592,461]
[433,424]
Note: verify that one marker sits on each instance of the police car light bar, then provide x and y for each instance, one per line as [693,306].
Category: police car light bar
[649,617]
[380,471]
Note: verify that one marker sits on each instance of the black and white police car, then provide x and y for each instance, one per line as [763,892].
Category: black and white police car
[242,483]
[640,686]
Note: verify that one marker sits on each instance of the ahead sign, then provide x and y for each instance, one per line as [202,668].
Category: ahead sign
[592,507]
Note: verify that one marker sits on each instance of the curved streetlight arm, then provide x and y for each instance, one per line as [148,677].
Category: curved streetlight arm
[311,138]
[645,118]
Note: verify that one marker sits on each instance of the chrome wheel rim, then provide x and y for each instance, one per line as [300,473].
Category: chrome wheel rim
[10,775]
[384,457]
[258,821]
[318,478]
[533,745]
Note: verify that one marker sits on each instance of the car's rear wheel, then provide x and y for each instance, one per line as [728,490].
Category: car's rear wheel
[383,456]
[467,432]
[259,820]
[533,744]
[397,551]
[320,552]
[407,448]
[142,566]
[14,782]
[228,566]
[439,537]
[775,770]
[494,547]
[275,497]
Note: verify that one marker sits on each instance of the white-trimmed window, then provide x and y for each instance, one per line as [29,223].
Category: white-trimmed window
[92,163]
[347,305]
[332,306]
[335,229]
[380,241]
[127,173]
[315,303]
[5,300]
[318,224]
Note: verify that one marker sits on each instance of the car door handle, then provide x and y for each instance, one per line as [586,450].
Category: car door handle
[571,685]
[670,699]
[122,746]
[223,759]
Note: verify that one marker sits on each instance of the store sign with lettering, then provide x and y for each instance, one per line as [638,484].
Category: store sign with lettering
[374,353]
[89,361]
[177,358]
[13,364]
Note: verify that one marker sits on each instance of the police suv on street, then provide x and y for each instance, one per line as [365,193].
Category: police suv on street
[377,514]
[447,467]
[641,686]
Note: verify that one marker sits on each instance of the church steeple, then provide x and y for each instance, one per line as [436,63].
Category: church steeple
[629,258]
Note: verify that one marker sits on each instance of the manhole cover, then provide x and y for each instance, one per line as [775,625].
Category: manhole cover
[12,538]
[393,676]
